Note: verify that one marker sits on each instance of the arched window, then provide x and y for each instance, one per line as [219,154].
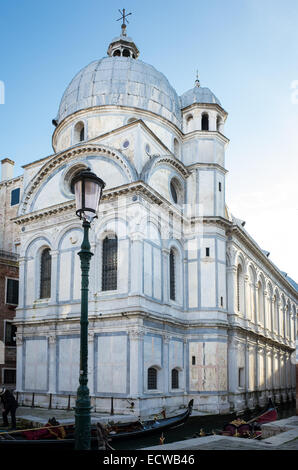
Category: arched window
[172,276]
[176,148]
[205,122]
[126,53]
[79,132]
[260,303]
[189,123]
[218,123]
[45,274]
[275,314]
[176,191]
[109,263]
[152,379]
[240,289]
[117,53]
[175,378]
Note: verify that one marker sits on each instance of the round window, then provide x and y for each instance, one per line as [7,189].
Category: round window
[147,148]
[126,144]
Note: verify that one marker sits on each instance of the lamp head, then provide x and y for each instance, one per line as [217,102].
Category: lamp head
[88,191]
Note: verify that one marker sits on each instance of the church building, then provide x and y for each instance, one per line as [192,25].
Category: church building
[183,303]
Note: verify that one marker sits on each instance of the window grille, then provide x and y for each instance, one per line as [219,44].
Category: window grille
[45,274]
[172,276]
[109,264]
[152,378]
[175,378]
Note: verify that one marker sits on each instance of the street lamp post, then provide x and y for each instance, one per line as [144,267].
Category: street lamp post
[88,190]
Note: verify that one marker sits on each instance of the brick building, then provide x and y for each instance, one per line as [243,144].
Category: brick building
[10,190]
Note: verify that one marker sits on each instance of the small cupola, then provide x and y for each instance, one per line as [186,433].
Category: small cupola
[123,46]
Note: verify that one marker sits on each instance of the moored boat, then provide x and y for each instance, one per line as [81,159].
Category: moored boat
[251,429]
[63,436]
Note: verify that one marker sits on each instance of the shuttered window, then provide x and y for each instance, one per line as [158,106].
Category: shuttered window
[12,291]
[45,274]
[109,263]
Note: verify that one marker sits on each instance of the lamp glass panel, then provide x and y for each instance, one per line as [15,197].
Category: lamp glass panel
[78,194]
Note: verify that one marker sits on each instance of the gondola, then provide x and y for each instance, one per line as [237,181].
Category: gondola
[251,429]
[62,436]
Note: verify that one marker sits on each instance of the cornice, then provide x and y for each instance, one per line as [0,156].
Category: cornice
[198,133]
[249,243]
[11,181]
[209,165]
[131,188]
[108,108]
[204,106]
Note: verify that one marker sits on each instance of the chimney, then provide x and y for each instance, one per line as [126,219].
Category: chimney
[6,169]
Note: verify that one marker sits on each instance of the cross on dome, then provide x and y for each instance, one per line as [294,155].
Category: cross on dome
[124,19]
[123,46]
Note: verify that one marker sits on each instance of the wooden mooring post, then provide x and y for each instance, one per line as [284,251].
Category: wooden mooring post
[50,403]
[112,405]
[32,403]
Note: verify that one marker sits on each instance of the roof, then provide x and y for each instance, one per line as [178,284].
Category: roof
[121,81]
[198,94]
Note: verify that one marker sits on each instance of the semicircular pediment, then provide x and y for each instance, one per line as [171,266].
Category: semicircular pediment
[110,164]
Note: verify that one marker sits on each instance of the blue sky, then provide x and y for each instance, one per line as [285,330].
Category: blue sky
[245,52]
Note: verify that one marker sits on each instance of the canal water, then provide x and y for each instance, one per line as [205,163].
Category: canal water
[193,426]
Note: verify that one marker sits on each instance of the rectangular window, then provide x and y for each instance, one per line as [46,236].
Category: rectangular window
[241,377]
[221,301]
[193,360]
[12,291]
[9,376]
[15,197]
[10,334]
[219,186]
[207,251]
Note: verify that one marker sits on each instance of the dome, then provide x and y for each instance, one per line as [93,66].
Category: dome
[121,81]
[198,94]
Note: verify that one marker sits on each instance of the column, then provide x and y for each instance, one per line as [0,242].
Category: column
[165,269]
[21,282]
[232,289]
[255,304]
[136,337]
[137,263]
[166,365]
[52,363]
[54,277]
[20,365]
[233,365]
[278,317]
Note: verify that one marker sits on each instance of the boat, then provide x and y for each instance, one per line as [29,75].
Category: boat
[251,429]
[63,436]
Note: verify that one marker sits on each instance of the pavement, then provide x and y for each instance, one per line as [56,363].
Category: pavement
[283,436]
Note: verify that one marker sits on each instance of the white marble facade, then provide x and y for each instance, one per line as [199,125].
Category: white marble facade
[230,331]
